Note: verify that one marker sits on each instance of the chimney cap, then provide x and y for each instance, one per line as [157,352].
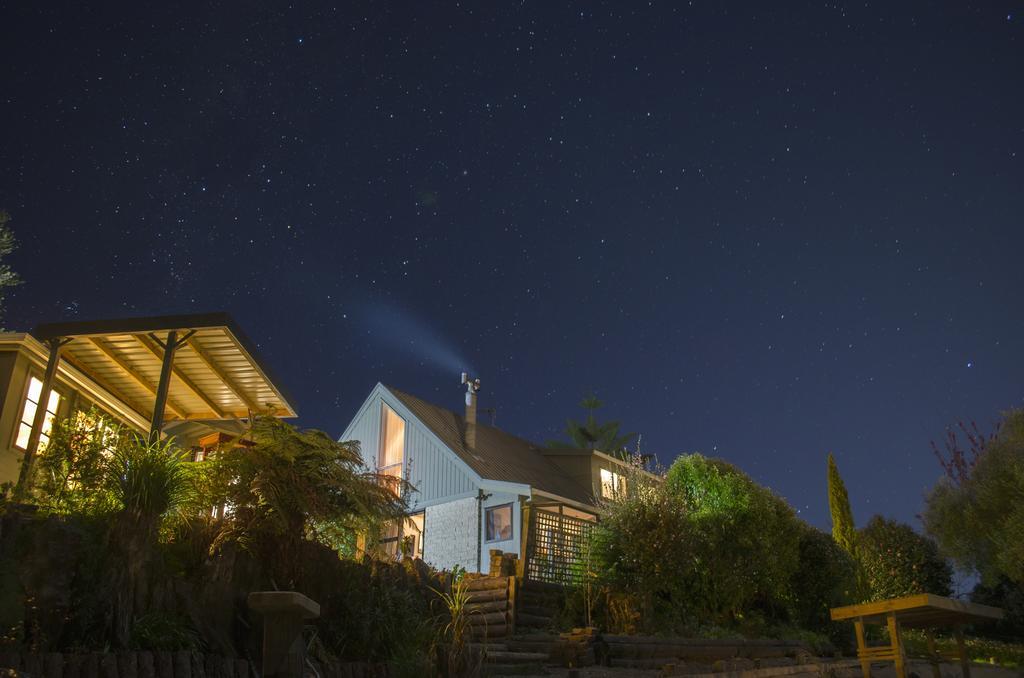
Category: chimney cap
[472,385]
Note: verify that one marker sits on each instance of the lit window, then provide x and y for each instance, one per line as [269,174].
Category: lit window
[392,446]
[612,484]
[28,414]
[498,521]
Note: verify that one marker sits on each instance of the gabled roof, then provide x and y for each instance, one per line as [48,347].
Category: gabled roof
[498,455]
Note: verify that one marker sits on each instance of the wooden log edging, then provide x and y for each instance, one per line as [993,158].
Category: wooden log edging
[145,664]
[140,664]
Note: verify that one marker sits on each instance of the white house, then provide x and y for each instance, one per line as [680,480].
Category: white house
[478,488]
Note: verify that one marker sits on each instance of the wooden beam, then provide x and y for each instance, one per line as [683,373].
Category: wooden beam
[159,354]
[862,646]
[139,379]
[215,368]
[114,391]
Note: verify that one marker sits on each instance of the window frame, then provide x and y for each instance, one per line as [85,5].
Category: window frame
[511,522]
[616,486]
[381,469]
[19,421]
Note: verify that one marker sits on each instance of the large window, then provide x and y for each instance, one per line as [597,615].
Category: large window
[612,484]
[28,414]
[403,538]
[392,443]
[498,521]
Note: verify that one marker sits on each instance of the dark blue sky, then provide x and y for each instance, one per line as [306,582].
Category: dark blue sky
[760,233]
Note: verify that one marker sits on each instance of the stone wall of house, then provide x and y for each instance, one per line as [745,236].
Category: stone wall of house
[451,534]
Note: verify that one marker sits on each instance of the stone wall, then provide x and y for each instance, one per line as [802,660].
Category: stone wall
[451,534]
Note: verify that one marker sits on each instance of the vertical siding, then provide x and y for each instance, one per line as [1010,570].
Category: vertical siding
[433,469]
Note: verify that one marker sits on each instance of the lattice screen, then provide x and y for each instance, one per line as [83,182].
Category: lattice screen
[560,548]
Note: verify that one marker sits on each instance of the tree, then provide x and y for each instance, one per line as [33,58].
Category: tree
[592,435]
[745,538]
[843,530]
[825,578]
[8,278]
[977,514]
[897,561]
[292,486]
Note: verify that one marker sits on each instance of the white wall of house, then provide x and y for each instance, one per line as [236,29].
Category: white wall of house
[450,534]
[446,489]
[435,472]
[510,545]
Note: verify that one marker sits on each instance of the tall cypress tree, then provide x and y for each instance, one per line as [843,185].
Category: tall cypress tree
[843,530]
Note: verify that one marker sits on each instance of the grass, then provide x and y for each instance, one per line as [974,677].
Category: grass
[1010,655]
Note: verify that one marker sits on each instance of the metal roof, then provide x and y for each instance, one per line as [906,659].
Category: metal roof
[497,455]
[216,372]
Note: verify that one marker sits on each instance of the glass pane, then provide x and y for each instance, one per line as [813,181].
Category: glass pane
[47,424]
[54,402]
[35,388]
[393,444]
[24,431]
[44,441]
[499,523]
[29,413]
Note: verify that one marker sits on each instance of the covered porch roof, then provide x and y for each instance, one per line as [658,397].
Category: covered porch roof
[214,372]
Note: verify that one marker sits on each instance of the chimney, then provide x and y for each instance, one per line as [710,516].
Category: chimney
[472,388]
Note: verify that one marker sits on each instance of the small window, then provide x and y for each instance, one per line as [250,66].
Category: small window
[498,521]
[392,443]
[612,484]
[28,414]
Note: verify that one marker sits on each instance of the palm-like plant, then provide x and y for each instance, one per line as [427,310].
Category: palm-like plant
[291,485]
[593,435]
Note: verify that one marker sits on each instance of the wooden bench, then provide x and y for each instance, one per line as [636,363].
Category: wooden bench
[923,611]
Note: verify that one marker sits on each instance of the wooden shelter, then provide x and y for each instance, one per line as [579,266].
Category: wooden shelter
[923,611]
[149,373]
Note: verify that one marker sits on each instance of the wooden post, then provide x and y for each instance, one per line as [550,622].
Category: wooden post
[526,542]
[157,423]
[933,655]
[961,648]
[28,462]
[897,646]
[511,609]
[862,646]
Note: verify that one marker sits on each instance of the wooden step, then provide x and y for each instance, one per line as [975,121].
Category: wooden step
[516,657]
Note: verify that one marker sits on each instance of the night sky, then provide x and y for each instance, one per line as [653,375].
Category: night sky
[760,233]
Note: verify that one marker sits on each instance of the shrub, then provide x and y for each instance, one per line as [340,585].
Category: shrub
[745,539]
[643,547]
[897,561]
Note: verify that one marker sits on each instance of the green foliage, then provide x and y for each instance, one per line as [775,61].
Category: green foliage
[1006,654]
[826,577]
[844,532]
[592,435]
[8,278]
[160,631]
[711,547]
[643,547]
[93,466]
[979,523]
[897,561]
[746,538]
[289,486]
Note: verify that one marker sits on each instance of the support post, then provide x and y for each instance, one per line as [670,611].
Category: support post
[933,655]
[897,646]
[284,613]
[157,423]
[961,649]
[862,646]
[27,464]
